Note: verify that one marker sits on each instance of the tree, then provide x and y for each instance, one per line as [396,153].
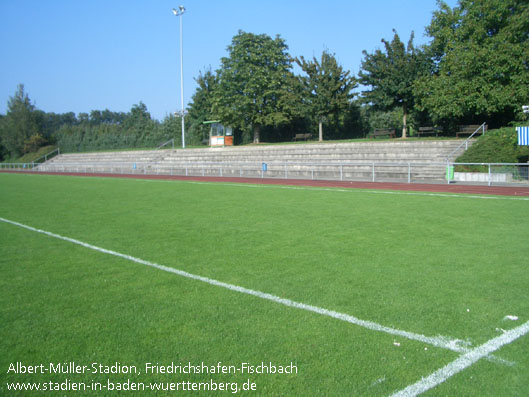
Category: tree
[171,128]
[19,124]
[327,87]
[33,143]
[84,118]
[140,127]
[3,151]
[201,107]
[253,88]
[49,123]
[481,69]
[391,75]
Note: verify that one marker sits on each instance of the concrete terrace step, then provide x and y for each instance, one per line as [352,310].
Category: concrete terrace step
[319,157]
[286,150]
[244,160]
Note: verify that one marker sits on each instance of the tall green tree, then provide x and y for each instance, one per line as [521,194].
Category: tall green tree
[139,125]
[201,107]
[253,86]
[390,74]
[481,69]
[3,150]
[19,124]
[327,87]
[50,122]
[171,128]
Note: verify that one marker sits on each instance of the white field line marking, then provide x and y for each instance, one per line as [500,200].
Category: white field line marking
[439,341]
[464,361]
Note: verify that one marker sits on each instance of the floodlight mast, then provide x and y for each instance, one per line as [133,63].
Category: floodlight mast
[179,13]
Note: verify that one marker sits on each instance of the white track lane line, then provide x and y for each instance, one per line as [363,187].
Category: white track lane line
[464,361]
[455,345]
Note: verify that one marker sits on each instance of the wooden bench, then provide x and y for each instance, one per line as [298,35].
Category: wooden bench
[390,132]
[469,129]
[304,137]
[429,131]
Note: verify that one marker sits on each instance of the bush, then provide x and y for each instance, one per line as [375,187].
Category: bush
[34,143]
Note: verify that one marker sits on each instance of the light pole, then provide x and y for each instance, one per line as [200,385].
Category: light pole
[179,13]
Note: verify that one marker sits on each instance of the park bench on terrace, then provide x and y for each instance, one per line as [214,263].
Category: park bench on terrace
[469,129]
[429,131]
[304,137]
[390,132]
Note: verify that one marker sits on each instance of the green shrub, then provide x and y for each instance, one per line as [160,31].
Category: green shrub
[33,143]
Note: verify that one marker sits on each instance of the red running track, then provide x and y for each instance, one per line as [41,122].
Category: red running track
[416,187]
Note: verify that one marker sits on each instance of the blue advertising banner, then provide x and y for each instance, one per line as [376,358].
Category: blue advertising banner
[523,136]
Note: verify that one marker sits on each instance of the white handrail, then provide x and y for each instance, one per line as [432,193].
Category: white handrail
[482,126]
[45,157]
[166,143]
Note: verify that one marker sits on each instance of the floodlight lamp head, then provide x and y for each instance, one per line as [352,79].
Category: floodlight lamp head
[180,11]
[525,108]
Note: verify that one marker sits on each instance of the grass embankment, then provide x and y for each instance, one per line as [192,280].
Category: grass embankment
[31,157]
[496,146]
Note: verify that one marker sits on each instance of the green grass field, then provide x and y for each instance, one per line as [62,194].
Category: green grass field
[449,266]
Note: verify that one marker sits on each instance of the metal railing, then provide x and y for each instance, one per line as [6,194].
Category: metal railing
[17,166]
[33,164]
[48,156]
[403,172]
[170,141]
[465,142]
[489,173]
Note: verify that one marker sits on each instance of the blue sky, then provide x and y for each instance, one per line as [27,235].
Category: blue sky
[78,56]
